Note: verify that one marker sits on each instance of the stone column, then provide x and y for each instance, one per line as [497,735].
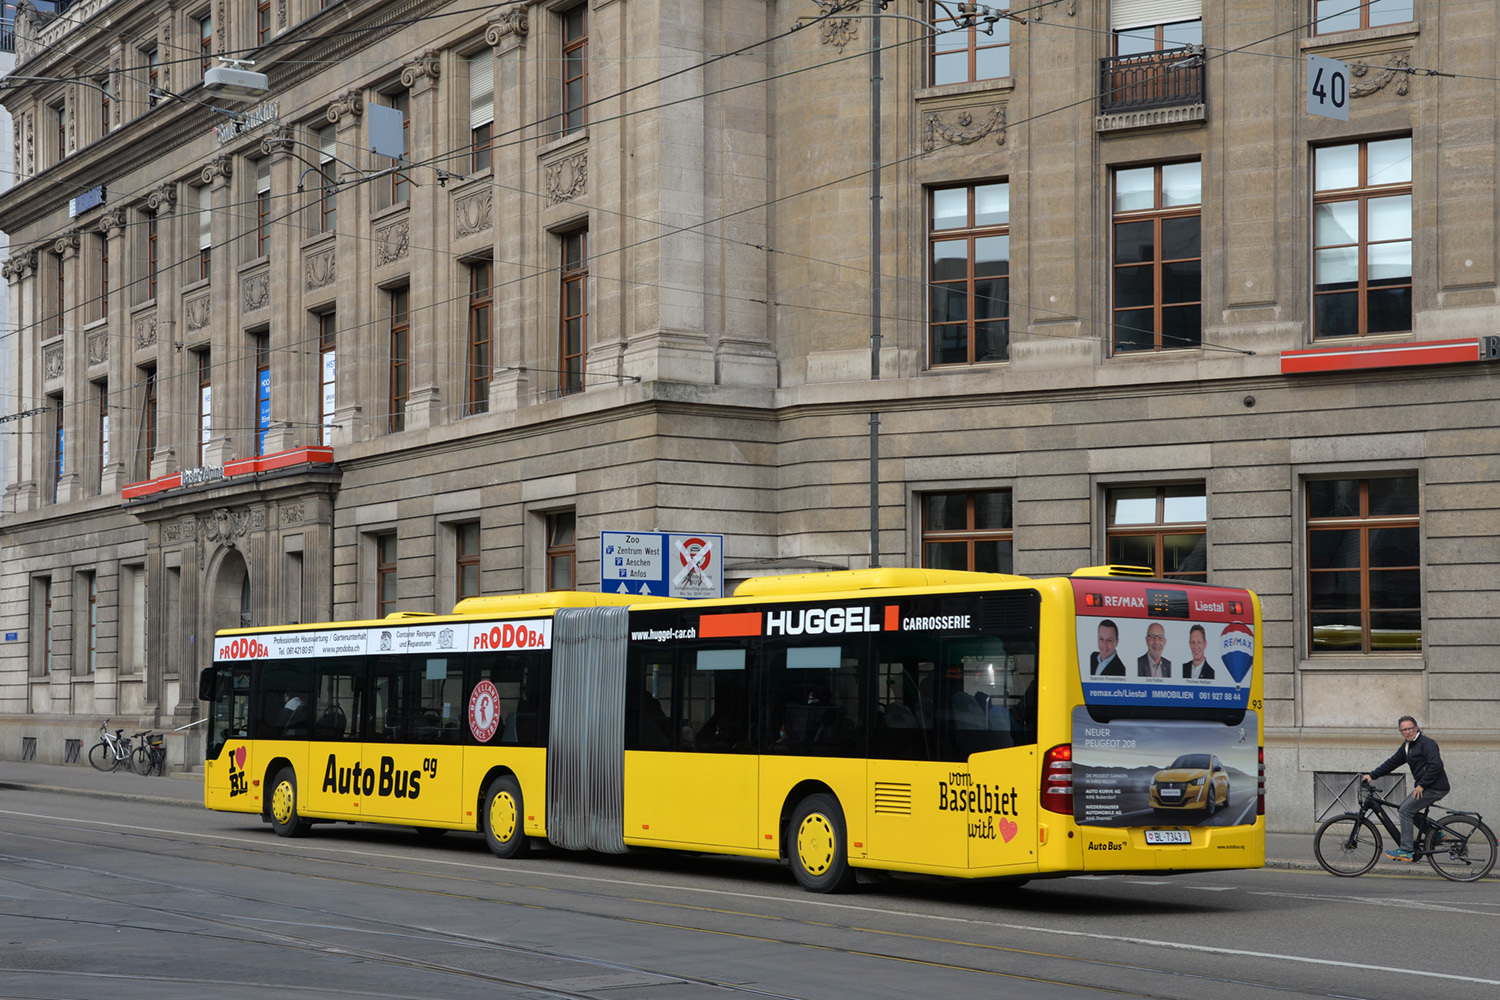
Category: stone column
[20,272]
[69,486]
[513,312]
[431,273]
[117,338]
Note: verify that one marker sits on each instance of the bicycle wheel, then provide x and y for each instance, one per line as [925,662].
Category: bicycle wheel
[1463,849]
[1347,845]
[140,761]
[102,756]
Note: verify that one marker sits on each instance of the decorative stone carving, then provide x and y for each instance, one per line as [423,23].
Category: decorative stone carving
[164,30]
[507,22]
[66,246]
[179,531]
[112,221]
[225,527]
[221,20]
[836,31]
[320,268]
[350,103]
[220,166]
[162,198]
[98,347]
[425,65]
[281,14]
[17,265]
[293,513]
[199,311]
[963,131]
[1070,8]
[278,139]
[1397,67]
[568,178]
[393,242]
[255,292]
[145,330]
[52,362]
[30,143]
[471,213]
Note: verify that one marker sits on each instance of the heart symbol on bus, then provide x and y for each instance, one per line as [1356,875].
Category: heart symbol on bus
[1008,829]
[239,762]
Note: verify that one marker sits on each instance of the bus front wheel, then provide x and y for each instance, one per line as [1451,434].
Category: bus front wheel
[284,818]
[817,846]
[503,818]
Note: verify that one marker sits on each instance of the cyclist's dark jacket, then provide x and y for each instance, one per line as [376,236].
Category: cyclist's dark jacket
[1425,760]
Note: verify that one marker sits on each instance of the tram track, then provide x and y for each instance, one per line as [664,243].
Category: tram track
[564,900]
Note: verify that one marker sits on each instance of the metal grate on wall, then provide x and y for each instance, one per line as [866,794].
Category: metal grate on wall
[28,748]
[73,749]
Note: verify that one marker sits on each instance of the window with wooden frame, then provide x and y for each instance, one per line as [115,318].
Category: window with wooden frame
[59,441]
[101,399]
[1163,527]
[1362,248]
[260,343]
[153,247]
[59,114]
[466,559]
[328,190]
[963,47]
[262,206]
[399,384]
[262,21]
[573,337]
[327,343]
[387,581]
[88,586]
[1141,27]
[205,233]
[205,23]
[575,68]
[104,105]
[971,530]
[205,401]
[1158,257]
[100,306]
[153,76]
[400,181]
[969,274]
[562,550]
[481,319]
[42,624]
[1349,15]
[481,109]
[1364,565]
[148,417]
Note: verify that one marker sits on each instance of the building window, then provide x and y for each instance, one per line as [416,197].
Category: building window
[327,335]
[60,116]
[205,232]
[561,551]
[480,321]
[261,343]
[967,531]
[1158,257]
[205,41]
[1136,32]
[152,248]
[1364,565]
[574,337]
[42,623]
[148,416]
[205,402]
[58,443]
[964,48]
[400,182]
[262,21]
[1362,238]
[400,375]
[328,191]
[104,103]
[153,77]
[481,109]
[101,395]
[132,618]
[1162,527]
[385,575]
[575,68]
[101,298]
[466,570]
[969,274]
[1343,15]
[262,206]
[61,303]
[88,585]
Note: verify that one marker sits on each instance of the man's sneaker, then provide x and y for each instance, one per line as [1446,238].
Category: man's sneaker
[1399,854]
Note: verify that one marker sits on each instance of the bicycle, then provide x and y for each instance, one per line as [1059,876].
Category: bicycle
[150,757]
[1458,845]
[112,750]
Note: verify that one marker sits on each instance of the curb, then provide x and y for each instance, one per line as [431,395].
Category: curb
[93,793]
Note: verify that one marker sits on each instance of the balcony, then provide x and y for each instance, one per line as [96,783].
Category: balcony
[1151,88]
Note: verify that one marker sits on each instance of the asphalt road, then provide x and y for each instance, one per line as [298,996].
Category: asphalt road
[103,897]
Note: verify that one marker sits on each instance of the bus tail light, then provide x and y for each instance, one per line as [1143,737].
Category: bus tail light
[1260,794]
[1057,779]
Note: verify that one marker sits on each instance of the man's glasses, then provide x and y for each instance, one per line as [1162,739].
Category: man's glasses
[1407,729]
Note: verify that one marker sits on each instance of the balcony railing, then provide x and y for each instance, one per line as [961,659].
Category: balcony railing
[1167,79]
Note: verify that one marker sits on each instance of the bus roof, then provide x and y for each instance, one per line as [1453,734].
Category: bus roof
[509,604]
[891,578]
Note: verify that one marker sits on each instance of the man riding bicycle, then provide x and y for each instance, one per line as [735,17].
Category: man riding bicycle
[1430,781]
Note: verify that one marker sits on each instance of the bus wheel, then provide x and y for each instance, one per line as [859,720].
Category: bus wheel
[816,845]
[502,818]
[284,818]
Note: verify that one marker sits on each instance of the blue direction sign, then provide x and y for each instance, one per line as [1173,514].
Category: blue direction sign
[666,564]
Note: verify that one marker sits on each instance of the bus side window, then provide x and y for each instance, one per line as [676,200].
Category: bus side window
[648,699]
[336,703]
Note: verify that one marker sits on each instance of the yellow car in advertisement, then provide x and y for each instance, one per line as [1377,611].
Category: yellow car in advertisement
[1195,781]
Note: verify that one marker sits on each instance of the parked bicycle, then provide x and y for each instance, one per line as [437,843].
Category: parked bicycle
[150,756]
[1458,845]
[113,750]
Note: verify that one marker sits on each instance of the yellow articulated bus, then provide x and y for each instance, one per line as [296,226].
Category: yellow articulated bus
[961,724]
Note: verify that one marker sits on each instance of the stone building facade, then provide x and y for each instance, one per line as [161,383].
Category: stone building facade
[1132,302]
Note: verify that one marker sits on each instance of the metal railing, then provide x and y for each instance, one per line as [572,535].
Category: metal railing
[1170,78]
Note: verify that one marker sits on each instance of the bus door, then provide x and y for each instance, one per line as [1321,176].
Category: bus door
[691,774]
[999,792]
[411,761]
[328,788]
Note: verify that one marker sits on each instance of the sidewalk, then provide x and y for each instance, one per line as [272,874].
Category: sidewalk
[1283,850]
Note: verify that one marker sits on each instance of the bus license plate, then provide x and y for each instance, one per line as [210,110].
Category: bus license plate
[1168,837]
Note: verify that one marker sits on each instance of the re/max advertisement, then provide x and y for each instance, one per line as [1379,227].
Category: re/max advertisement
[1151,644]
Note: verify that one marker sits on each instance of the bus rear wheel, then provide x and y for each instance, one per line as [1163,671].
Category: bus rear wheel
[817,846]
[284,818]
[502,812]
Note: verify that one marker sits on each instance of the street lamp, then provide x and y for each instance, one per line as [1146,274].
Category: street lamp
[233,80]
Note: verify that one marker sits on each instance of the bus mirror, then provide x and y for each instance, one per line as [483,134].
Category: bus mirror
[206,684]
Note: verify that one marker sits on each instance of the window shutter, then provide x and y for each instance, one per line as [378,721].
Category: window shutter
[263,175]
[205,217]
[481,89]
[1134,13]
